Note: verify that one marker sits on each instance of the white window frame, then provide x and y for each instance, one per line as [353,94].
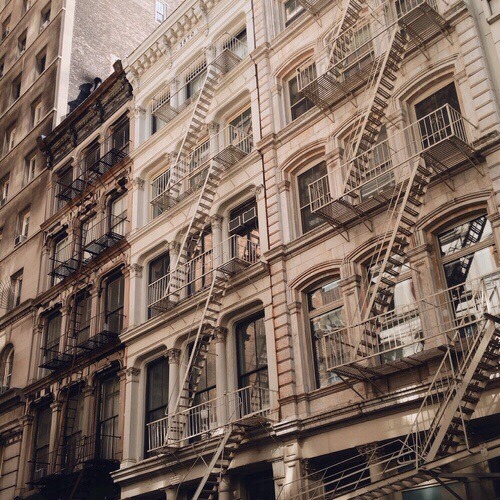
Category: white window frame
[160,11]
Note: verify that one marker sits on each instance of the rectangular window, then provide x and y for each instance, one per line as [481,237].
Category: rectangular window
[45,17]
[299,104]
[64,180]
[52,337]
[114,303]
[120,136]
[29,168]
[41,445]
[198,165]
[41,61]
[107,424]
[16,88]
[360,52]
[156,392]
[200,263]
[23,224]
[6,27]
[36,112]
[4,190]
[17,288]
[10,138]
[92,156]
[308,219]
[158,271]
[194,80]
[293,9]
[21,44]
[160,11]
[83,307]
[72,433]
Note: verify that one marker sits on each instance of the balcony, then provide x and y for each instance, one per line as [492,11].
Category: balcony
[352,57]
[103,235]
[99,332]
[186,176]
[443,138]
[229,52]
[409,336]
[65,261]
[230,257]
[89,170]
[250,405]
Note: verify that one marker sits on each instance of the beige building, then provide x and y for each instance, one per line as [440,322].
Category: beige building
[314,266]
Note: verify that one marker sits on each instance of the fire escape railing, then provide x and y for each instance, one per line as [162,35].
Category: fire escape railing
[230,256]
[227,147]
[428,323]
[445,137]
[203,419]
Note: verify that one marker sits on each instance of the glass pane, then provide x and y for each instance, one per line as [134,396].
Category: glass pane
[324,295]
[157,389]
[114,294]
[470,267]
[309,221]
[251,348]
[464,235]
[158,267]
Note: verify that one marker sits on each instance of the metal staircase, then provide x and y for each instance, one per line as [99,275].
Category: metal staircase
[439,430]
[209,484]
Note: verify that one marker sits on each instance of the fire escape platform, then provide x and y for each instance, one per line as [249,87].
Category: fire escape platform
[226,61]
[229,156]
[102,243]
[110,159]
[64,269]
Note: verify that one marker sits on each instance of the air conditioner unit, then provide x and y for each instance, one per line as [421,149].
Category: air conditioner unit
[235,224]
[19,239]
[249,216]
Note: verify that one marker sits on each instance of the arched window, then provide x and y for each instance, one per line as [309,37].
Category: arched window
[308,219]
[6,364]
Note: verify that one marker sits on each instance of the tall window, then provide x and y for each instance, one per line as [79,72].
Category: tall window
[160,11]
[200,263]
[64,180]
[359,53]
[308,219]
[326,314]
[72,432]
[446,95]
[52,337]
[10,138]
[92,155]
[23,224]
[156,391]
[29,168]
[195,79]
[16,88]
[41,444]
[21,43]
[4,189]
[45,17]
[240,130]
[41,61]
[158,269]
[107,419]
[36,112]
[5,27]
[198,165]
[206,389]
[118,215]
[293,9]
[243,223]
[17,287]
[252,352]
[6,364]
[114,303]
[83,306]
[467,251]
[299,103]
[120,135]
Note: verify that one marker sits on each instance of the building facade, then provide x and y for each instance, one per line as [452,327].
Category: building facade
[313,277]
[52,54]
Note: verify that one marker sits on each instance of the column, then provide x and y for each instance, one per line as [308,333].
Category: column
[55,434]
[133,429]
[179,278]
[220,254]
[333,160]
[137,304]
[174,357]
[139,128]
[286,222]
[225,489]
[216,141]
[88,411]
[277,102]
[259,192]
[372,457]
[139,217]
[25,469]
[287,470]
[220,335]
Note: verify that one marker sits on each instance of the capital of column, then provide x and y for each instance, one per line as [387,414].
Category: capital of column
[258,191]
[284,186]
[174,356]
[88,390]
[132,374]
[26,420]
[213,128]
[139,111]
[56,405]
[216,221]
[136,270]
[220,334]
[138,183]
[174,247]
[369,451]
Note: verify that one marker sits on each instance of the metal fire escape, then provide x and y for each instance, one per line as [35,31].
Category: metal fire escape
[393,175]
[169,433]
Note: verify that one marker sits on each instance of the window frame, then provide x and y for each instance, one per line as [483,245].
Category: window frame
[296,14]
[289,97]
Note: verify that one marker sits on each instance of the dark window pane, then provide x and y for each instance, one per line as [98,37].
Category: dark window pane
[464,235]
[309,220]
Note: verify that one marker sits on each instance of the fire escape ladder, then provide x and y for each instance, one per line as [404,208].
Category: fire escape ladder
[218,466]
[197,360]
[381,85]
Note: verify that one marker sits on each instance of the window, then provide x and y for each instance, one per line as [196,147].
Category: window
[45,17]
[243,223]
[64,180]
[4,190]
[6,27]
[10,138]
[467,251]
[252,352]
[6,364]
[326,314]
[21,44]
[299,104]
[156,392]
[41,61]
[23,223]
[36,112]
[72,432]
[16,88]
[360,53]
[198,165]
[446,95]
[114,303]
[158,187]
[52,337]
[308,220]
[240,131]
[16,281]
[91,157]
[160,11]
[293,9]
[240,48]
[120,135]
[107,420]
[200,263]
[26,5]
[82,311]
[206,388]
[29,168]
[41,445]
[194,80]
[2,67]
[118,215]
[158,269]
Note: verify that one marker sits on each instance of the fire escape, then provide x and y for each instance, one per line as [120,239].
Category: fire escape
[391,174]
[197,170]
[80,462]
